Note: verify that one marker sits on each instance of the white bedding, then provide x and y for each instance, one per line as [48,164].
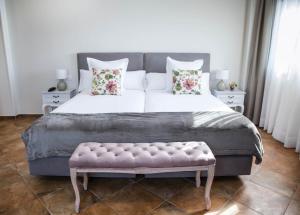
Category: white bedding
[162,101]
[129,101]
[138,101]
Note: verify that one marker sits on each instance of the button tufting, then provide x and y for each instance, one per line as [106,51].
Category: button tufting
[172,153]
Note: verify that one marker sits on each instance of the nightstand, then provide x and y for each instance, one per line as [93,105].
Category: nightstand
[232,98]
[52,100]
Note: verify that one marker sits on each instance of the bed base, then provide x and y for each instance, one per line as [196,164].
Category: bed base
[225,166]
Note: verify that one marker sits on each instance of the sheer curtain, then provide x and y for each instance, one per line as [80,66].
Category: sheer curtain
[281,102]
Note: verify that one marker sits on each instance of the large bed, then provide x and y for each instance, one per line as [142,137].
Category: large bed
[135,108]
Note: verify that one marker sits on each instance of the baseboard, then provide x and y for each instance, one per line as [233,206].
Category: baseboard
[20,116]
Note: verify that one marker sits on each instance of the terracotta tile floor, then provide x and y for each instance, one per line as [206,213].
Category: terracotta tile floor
[273,188]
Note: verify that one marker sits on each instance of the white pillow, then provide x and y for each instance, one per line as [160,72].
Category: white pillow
[135,80]
[85,81]
[205,84]
[156,81]
[115,64]
[184,65]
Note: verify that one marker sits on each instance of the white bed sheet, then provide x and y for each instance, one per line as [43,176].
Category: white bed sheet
[129,101]
[162,101]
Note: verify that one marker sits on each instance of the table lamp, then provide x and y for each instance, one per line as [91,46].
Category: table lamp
[61,75]
[222,75]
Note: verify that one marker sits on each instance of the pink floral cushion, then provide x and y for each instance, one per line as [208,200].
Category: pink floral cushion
[106,82]
[187,82]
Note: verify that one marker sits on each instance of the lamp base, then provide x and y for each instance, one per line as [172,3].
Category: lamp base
[221,86]
[61,85]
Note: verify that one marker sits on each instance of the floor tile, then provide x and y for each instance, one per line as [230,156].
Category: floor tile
[261,199]
[296,195]
[294,208]
[226,186]
[107,187]
[286,161]
[35,207]
[135,200]
[275,181]
[235,208]
[191,200]
[165,188]
[9,176]
[17,197]
[62,201]
[98,208]
[43,185]
[168,209]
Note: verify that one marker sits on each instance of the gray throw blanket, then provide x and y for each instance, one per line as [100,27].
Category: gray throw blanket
[226,133]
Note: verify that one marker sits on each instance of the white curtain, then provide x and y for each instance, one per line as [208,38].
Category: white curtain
[281,102]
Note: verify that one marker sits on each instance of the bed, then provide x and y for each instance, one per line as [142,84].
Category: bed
[144,112]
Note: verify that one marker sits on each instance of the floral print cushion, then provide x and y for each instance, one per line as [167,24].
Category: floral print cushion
[106,82]
[187,82]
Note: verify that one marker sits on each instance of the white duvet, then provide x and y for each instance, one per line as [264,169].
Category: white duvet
[138,101]
[162,101]
[129,101]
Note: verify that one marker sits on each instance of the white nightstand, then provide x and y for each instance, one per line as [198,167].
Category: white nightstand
[232,98]
[52,100]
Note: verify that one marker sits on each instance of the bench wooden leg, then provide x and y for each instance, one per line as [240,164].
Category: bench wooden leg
[198,179]
[73,174]
[85,181]
[210,177]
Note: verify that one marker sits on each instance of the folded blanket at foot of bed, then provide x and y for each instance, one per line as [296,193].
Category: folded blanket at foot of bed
[226,133]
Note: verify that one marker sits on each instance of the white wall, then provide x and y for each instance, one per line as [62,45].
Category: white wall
[6,105]
[47,34]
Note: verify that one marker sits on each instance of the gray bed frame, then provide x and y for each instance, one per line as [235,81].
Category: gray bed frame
[151,62]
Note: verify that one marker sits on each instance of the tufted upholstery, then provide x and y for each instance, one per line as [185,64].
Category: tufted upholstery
[132,155]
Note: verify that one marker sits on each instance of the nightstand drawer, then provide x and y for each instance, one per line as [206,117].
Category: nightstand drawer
[232,99]
[55,99]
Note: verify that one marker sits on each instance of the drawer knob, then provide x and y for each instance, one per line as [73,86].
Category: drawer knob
[231,97]
[55,96]
[229,102]
[55,102]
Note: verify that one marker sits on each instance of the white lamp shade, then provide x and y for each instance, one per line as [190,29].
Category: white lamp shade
[222,75]
[61,74]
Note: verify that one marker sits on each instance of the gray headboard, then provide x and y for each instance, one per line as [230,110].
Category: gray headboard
[151,62]
[156,62]
[135,59]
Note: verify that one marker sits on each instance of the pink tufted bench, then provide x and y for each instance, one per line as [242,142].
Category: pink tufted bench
[142,158]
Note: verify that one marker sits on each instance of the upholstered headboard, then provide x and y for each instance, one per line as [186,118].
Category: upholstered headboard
[135,59]
[151,62]
[156,62]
